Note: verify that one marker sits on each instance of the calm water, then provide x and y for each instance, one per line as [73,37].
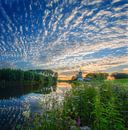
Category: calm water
[17,103]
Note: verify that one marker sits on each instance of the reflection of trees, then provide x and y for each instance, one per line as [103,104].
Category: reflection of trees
[20,82]
[14,89]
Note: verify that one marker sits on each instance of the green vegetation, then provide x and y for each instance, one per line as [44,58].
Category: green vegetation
[120,75]
[98,76]
[102,76]
[101,105]
[30,76]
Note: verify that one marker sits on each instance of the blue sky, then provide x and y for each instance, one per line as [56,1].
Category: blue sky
[64,35]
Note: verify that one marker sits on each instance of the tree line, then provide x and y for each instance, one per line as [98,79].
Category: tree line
[119,75]
[103,76]
[99,76]
[29,75]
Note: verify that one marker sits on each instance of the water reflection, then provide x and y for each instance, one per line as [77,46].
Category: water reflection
[62,87]
[9,91]
[11,112]
[19,102]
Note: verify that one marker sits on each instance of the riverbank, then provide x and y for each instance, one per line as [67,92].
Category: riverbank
[100,105]
[11,89]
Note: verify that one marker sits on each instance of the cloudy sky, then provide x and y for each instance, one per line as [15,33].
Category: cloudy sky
[64,35]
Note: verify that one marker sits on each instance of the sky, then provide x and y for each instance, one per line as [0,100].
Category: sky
[64,35]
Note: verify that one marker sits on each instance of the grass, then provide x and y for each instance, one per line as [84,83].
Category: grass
[101,105]
[123,81]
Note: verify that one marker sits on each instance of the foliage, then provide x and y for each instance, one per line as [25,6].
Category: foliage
[120,75]
[73,78]
[20,75]
[106,111]
[98,76]
[99,105]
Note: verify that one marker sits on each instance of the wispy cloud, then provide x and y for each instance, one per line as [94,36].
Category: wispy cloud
[64,34]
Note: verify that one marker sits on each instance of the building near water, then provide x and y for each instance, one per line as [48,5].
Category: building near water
[79,76]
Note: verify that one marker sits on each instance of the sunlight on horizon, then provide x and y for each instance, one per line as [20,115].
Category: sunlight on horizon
[64,35]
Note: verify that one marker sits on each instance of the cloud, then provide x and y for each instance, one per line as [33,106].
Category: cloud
[64,34]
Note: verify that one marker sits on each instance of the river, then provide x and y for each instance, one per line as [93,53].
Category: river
[17,103]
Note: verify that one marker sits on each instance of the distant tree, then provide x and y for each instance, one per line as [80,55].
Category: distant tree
[73,78]
[56,74]
[31,75]
[119,75]
[99,76]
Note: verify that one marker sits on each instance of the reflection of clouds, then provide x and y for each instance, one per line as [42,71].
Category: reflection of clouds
[63,34]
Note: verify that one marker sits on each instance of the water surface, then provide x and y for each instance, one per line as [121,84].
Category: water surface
[18,102]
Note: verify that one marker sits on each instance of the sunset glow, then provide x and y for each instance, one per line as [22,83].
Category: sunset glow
[64,35]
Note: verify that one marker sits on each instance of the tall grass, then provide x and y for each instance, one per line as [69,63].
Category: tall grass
[99,105]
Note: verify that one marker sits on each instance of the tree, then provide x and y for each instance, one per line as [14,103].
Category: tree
[119,75]
[98,76]
[73,78]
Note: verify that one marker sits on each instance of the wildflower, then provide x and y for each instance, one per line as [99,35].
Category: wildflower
[78,121]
